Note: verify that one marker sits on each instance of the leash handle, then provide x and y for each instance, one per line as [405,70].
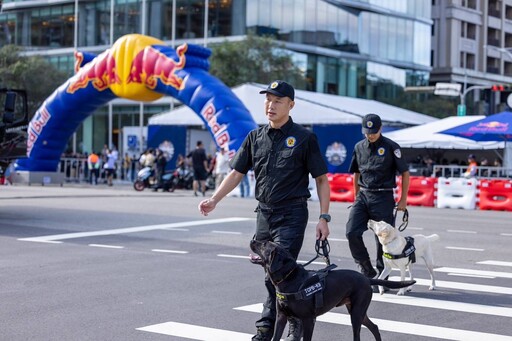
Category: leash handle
[405,219]
[323,248]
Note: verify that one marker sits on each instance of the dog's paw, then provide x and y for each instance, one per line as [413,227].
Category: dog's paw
[401,292]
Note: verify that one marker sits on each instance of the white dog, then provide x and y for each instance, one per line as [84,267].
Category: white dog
[398,252]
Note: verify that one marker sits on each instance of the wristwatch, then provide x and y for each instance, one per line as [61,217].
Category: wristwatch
[325,216]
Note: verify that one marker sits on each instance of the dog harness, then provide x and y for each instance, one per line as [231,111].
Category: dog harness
[408,251]
[312,287]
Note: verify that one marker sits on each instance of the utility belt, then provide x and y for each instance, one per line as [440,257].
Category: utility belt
[282,204]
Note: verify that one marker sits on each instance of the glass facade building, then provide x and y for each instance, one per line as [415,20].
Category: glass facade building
[368,48]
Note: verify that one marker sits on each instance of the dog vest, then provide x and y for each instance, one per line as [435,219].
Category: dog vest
[408,251]
[312,287]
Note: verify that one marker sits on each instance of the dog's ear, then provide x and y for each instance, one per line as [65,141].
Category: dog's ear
[281,263]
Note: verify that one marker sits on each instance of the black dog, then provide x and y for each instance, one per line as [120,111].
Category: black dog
[307,294]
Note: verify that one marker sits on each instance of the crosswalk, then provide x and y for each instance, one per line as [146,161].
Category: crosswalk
[393,324]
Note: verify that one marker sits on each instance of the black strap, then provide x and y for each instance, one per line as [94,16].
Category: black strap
[405,219]
[322,249]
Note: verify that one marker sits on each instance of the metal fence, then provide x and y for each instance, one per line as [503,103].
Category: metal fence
[482,172]
[76,170]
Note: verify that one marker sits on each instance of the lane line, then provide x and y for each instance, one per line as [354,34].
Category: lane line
[472,276]
[193,332]
[475,272]
[443,305]
[169,251]
[506,234]
[495,262]
[171,227]
[461,231]
[461,286]
[226,232]
[107,246]
[463,248]
[441,333]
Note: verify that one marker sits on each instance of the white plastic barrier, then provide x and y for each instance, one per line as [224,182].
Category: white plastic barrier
[312,189]
[457,193]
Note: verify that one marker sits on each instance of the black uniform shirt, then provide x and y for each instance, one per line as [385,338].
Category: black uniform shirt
[282,160]
[378,163]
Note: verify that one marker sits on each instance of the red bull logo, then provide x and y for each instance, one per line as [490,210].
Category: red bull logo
[101,72]
[493,126]
[219,131]
[151,65]
[35,127]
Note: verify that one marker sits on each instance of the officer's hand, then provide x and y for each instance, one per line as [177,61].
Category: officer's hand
[206,206]
[402,205]
[322,230]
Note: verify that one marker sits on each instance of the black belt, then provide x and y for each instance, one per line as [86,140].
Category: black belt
[282,203]
[377,189]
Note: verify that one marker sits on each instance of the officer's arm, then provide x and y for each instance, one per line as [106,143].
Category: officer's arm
[402,204]
[356,184]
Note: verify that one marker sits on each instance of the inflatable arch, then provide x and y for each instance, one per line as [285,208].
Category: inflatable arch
[140,68]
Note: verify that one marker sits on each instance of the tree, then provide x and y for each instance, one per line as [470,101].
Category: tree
[34,74]
[255,59]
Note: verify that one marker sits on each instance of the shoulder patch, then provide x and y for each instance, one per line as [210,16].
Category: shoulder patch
[398,153]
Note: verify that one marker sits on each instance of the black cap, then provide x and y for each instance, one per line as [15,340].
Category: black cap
[371,124]
[472,156]
[280,89]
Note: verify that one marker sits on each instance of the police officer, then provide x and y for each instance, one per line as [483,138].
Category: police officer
[376,161]
[282,154]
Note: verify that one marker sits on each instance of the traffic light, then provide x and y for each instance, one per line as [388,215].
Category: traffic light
[500,87]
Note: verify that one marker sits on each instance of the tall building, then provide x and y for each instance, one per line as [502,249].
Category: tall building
[368,48]
[472,45]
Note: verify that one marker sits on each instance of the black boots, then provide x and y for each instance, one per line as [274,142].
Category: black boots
[367,269]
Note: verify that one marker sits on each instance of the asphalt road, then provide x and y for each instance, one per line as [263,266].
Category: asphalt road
[82,263]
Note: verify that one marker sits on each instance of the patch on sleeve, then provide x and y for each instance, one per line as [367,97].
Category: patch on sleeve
[398,153]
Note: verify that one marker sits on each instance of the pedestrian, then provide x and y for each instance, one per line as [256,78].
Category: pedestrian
[472,167]
[159,166]
[110,166]
[245,187]
[93,163]
[200,167]
[376,160]
[282,154]
[221,166]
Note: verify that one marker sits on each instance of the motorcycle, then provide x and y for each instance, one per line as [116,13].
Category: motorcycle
[181,178]
[144,179]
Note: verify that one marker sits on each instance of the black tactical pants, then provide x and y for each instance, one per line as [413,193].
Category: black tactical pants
[284,224]
[368,205]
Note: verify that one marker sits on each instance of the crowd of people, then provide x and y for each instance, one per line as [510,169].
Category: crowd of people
[468,168]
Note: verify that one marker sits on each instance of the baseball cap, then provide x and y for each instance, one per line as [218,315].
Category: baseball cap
[280,89]
[371,124]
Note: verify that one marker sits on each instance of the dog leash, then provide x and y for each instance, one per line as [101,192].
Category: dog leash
[405,219]
[322,249]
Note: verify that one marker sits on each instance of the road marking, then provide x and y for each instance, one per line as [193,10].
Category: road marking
[495,262]
[461,286]
[169,251]
[107,246]
[172,227]
[472,276]
[506,234]
[463,248]
[193,332]
[338,240]
[232,256]
[402,327]
[475,272]
[444,305]
[461,231]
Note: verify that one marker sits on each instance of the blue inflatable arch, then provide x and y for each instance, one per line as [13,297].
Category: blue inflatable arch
[140,68]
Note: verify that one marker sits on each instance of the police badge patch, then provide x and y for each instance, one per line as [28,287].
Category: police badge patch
[398,153]
[290,141]
[381,151]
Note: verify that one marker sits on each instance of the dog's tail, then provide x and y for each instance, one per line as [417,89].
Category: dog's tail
[391,284]
[433,237]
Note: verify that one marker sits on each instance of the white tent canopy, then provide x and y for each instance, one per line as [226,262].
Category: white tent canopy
[427,136]
[310,108]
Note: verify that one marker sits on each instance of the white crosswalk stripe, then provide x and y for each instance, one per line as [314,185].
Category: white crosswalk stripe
[195,332]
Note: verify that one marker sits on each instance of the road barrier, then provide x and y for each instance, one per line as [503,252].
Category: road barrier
[342,187]
[495,195]
[457,193]
[422,191]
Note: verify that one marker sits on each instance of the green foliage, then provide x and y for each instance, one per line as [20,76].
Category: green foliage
[34,74]
[255,59]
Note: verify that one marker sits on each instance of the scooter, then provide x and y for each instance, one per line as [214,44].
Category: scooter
[181,178]
[144,179]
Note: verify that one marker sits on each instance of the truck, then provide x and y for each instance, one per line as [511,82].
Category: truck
[14,120]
